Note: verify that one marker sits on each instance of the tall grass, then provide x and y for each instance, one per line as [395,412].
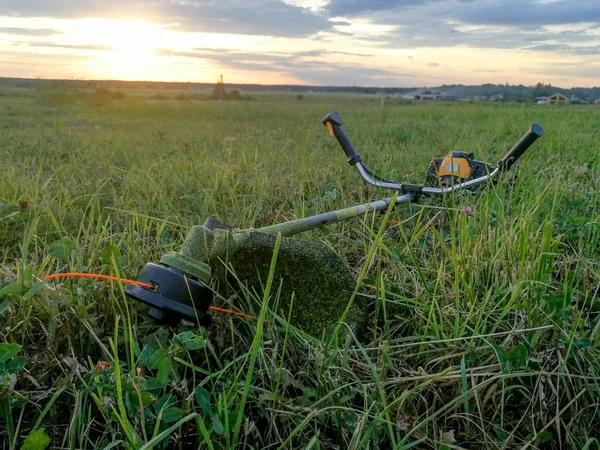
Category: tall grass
[483,329]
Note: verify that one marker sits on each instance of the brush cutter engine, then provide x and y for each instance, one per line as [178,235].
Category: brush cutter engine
[456,168]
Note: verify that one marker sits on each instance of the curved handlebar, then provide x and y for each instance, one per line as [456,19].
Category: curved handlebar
[333,121]
[535,131]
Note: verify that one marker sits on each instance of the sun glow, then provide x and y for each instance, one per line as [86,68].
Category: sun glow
[131,46]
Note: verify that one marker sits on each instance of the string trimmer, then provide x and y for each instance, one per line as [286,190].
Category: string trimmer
[310,272]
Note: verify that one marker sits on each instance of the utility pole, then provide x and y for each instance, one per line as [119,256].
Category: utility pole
[222,90]
[382,97]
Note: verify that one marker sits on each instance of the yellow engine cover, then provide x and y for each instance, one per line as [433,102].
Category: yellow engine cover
[456,167]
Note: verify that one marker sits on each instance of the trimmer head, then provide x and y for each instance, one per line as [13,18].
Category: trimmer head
[175,296]
[310,278]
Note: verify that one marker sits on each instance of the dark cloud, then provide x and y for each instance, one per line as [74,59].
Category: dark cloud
[483,24]
[251,17]
[530,13]
[482,12]
[33,32]
[355,7]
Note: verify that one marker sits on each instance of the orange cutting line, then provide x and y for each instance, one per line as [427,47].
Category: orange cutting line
[138,283]
[95,275]
[235,313]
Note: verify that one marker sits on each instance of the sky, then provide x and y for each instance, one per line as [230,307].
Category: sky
[403,43]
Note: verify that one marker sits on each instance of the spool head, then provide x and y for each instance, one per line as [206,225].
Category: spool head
[174,297]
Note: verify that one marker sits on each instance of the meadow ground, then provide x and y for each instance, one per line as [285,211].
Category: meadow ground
[483,328]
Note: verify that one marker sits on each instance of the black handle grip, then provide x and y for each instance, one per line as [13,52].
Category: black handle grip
[333,121]
[535,131]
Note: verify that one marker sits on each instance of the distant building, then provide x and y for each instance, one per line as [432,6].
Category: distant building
[429,95]
[450,98]
[576,100]
[558,99]
[496,97]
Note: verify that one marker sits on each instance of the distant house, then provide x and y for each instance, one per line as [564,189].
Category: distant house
[558,99]
[429,95]
[496,97]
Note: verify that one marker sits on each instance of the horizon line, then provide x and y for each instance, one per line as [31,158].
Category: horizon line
[291,85]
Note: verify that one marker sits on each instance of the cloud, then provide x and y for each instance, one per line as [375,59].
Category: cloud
[275,59]
[33,32]
[564,48]
[433,64]
[272,61]
[363,55]
[354,7]
[482,12]
[250,17]
[530,13]
[486,24]
[253,17]
[69,46]
[70,9]
[300,65]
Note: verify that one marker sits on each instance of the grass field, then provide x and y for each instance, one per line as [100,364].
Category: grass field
[483,327]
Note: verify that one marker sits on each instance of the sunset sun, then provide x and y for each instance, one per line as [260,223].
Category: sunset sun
[131,46]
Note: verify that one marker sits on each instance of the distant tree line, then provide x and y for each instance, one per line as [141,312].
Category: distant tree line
[519,92]
[509,92]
